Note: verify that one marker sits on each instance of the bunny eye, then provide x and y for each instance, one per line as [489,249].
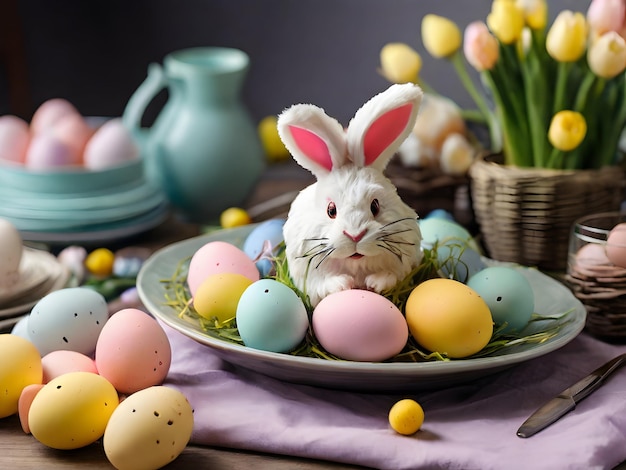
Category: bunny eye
[375,207]
[331,210]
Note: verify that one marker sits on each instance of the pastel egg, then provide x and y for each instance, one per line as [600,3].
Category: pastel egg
[149,429]
[219,257]
[72,411]
[271,317]
[508,295]
[74,132]
[68,319]
[441,230]
[218,296]
[47,152]
[23,369]
[14,138]
[133,352]
[112,144]
[61,362]
[592,254]
[49,113]
[616,245]
[263,242]
[23,405]
[360,325]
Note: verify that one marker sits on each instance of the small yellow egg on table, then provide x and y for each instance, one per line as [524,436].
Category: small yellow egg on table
[406,417]
[100,262]
[273,146]
[234,217]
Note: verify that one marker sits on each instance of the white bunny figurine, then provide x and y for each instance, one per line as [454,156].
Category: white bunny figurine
[350,229]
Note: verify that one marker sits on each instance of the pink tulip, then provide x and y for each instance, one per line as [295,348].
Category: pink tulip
[480,46]
[607,15]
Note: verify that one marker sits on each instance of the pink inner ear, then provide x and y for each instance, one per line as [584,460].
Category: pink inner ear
[384,131]
[313,146]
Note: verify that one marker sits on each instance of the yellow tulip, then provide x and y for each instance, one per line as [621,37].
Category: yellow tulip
[506,21]
[535,13]
[567,130]
[607,56]
[480,46]
[567,38]
[400,63]
[441,37]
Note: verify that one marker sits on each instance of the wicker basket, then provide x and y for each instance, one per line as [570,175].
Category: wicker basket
[525,215]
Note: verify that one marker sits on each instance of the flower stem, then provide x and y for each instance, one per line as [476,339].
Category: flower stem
[560,88]
[492,123]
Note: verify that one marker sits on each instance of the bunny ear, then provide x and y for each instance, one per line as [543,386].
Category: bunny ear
[382,124]
[316,141]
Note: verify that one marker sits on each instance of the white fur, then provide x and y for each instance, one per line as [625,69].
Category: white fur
[319,253]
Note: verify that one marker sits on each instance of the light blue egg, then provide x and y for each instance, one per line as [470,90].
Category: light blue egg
[508,294]
[69,319]
[457,260]
[270,231]
[440,214]
[271,317]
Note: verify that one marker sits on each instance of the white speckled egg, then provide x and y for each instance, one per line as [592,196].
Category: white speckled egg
[70,319]
[149,429]
[360,325]
[11,250]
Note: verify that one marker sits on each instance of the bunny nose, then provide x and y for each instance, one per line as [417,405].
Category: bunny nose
[355,238]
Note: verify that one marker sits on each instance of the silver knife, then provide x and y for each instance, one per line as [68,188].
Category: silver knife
[566,401]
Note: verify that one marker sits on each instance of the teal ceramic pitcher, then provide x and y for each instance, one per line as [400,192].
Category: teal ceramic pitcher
[203,149]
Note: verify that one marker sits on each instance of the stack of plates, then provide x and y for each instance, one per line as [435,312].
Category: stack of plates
[78,206]
[40,273]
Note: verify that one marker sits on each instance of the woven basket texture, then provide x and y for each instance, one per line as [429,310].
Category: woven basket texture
[525,215]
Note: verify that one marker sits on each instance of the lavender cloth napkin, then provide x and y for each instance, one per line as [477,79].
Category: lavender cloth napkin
[470,426]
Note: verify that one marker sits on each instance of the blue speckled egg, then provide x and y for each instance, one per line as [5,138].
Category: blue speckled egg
[271,317]
[270,231]
[508,294]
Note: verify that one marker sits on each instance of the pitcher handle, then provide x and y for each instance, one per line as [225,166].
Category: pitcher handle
[136,106]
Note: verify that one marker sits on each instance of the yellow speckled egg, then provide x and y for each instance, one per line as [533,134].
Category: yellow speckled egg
[72,410]
[219,294]
[448,317]
[406,417]
[149,429]
[23,369]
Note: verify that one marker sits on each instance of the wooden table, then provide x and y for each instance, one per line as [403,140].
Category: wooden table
[19,450]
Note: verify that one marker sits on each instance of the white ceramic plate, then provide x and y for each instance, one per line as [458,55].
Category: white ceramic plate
[551,298]
[40,274]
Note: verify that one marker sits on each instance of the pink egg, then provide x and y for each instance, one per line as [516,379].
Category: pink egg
[360,325]
[61,362]
[49,113]
[111,145]
[47,152]
[133,352]
[74,132]
[592,255]
[23,404]
[14,138]
[216,258]
[616,245]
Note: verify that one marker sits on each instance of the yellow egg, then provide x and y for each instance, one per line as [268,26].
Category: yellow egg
[149,429]
[274,148]
[406,417]
[234,217]
[219,294]
[448,317]
[72,410]
[100,262]
[22,369]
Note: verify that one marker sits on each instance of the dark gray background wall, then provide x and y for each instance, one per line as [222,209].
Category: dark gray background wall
[96,53]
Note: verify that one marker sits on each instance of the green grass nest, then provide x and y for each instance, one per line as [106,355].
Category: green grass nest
[178,297]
